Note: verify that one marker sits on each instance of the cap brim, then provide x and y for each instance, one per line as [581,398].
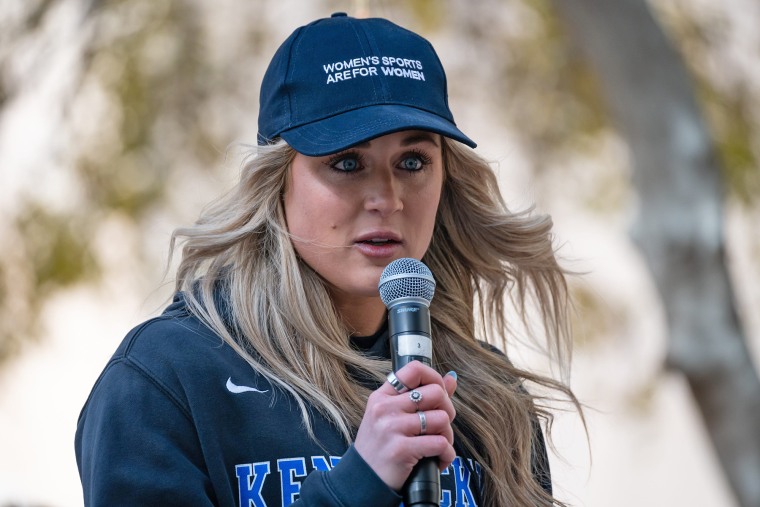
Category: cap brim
[344,130]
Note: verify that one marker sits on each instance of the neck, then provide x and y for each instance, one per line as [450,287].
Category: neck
[362,316]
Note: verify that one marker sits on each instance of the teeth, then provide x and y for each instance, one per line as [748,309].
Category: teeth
[379,240]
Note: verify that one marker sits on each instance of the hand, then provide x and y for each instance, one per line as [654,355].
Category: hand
[389,437]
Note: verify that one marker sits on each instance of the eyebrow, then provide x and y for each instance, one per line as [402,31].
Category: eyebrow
[416,137]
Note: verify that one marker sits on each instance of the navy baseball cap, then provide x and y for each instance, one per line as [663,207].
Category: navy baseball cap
[341,81]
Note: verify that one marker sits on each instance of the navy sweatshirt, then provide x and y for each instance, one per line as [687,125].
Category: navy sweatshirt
[179,418]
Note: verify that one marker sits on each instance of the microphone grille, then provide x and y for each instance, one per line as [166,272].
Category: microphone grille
[406,278]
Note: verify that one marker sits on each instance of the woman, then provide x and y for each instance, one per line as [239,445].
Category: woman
[264,383]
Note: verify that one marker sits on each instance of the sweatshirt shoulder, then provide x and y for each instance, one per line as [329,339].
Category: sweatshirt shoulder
[171,351]
[172,337]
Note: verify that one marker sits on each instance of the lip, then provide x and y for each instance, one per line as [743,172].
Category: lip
[389,235]
[385,250]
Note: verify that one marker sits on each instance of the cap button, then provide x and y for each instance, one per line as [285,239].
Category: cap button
[338,15]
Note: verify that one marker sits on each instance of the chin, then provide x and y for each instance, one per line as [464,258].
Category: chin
[368,291]
[365,288]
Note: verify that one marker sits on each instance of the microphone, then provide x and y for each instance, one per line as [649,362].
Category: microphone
[407,287]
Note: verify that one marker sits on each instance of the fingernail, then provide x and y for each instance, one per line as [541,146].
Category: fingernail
[453,374]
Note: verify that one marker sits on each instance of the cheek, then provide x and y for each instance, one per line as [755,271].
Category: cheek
[426,206]
[425,210]
[300,227]
[311,217]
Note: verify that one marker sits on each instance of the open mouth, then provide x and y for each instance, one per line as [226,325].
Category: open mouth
[379,242]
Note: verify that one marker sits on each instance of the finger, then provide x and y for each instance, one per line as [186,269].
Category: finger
[450,381]
[446,458]
[434,446]
[396,383]
[413,375]
[436,423]
[429,397]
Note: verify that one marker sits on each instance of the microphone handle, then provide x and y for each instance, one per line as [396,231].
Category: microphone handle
[423,486]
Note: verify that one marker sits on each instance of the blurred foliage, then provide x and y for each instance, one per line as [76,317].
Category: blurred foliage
[146,58]
[560,106]
[735,136]
[564,102]
[729,99]
[55,253]
[595,319]
[428,13]
[57,248]
[147,88]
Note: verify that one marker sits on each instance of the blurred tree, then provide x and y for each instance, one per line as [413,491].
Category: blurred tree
[680,225]
[141,98]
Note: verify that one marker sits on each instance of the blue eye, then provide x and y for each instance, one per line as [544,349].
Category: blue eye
[412,163]
[348,164]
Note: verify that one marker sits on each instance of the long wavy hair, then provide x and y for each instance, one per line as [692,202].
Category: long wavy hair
[276,312]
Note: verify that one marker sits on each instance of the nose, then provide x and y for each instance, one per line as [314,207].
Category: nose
[384,193]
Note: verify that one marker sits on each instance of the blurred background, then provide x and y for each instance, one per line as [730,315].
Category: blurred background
[635,124]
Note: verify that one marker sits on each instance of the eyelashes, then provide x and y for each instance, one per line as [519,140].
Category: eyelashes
[351,161]
[416,154]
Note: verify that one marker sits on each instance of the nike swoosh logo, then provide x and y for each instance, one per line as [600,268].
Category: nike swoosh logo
[236,389]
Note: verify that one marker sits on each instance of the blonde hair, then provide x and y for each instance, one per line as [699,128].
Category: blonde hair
[276,312]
